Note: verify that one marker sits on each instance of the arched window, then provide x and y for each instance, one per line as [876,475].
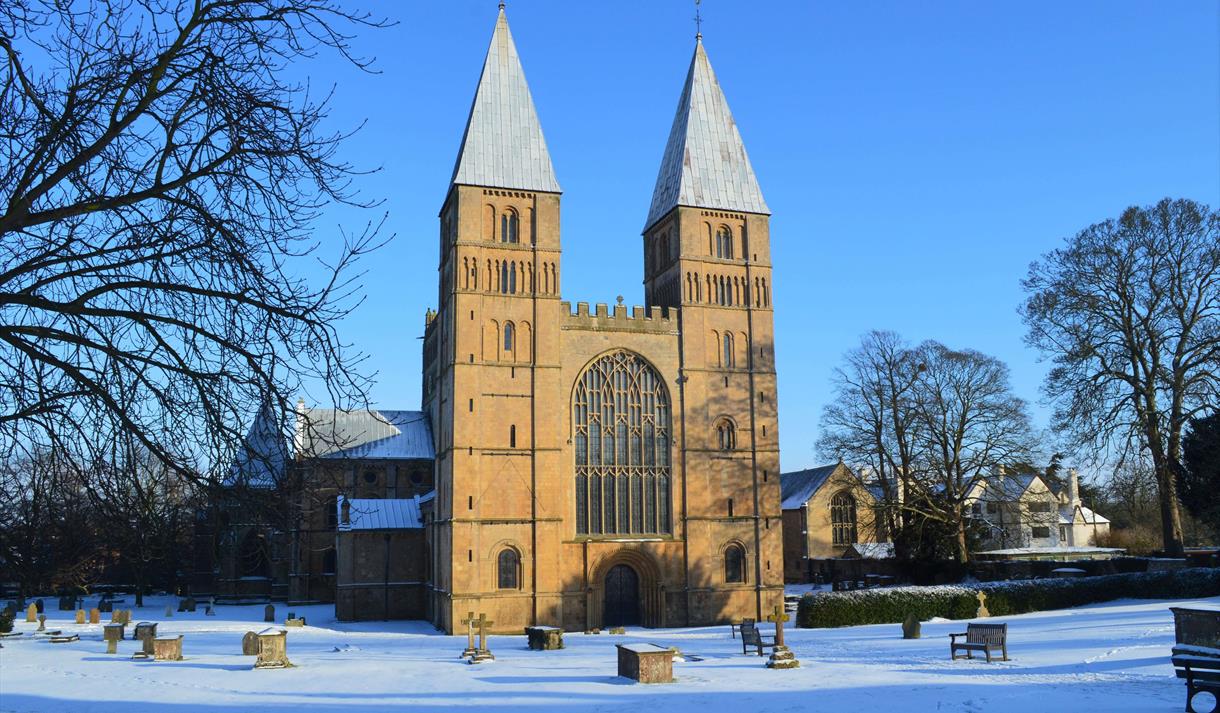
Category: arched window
[508,565]
[504,278]
[621,424]
[843,518]
[726,435]
[734,563]
[510,338]
[727,356]
[508,226]
[512,436]
[724,242]
[512,278]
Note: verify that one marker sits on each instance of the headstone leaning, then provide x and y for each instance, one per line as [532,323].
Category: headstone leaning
[982,611]
[911,627]
[269,614]
[31,614]
[249,644]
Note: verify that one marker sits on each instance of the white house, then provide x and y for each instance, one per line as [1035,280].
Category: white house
[1023,514]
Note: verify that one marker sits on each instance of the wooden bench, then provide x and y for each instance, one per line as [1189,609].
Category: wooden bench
[750,638]
[980,637]
[734,628]
[1202,673]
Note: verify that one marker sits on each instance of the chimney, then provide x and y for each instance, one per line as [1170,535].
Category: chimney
[1073,488]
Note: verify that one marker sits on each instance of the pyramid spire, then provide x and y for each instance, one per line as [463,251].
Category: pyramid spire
[705,163]
[503,145]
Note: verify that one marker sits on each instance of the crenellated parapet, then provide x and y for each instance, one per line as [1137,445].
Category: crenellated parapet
[603,318]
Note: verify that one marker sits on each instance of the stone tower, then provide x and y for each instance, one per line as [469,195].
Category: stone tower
[707,251]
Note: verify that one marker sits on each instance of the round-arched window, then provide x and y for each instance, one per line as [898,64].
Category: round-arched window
[734,563]
[621,442]
[508,564]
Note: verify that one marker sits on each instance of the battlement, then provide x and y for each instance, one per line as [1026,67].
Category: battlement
[659,320]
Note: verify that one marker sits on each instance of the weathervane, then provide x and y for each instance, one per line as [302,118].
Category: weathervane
[698,22]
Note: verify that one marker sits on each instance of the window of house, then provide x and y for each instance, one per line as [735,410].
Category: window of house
[993,508]
[1040,507]
[1063,533]
[734,564]
[508,565]
[1041,532]
[843,518]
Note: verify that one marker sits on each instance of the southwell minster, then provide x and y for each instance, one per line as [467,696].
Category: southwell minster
[571,464]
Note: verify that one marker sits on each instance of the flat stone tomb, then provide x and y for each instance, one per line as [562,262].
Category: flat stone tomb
[646,663]
[544,638]
[272,649]
[167,648]
[781,655]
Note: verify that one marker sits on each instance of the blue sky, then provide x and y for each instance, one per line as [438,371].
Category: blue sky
[916,156]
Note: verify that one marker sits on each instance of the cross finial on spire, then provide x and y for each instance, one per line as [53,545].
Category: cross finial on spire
[501,5]
[698,22]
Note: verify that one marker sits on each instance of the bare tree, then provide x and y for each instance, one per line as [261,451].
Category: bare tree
[1129,312]
[161,179]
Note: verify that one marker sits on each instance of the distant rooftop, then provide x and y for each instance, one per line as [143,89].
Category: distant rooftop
[798,487]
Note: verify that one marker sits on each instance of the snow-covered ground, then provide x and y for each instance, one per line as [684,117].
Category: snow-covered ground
[1111,657]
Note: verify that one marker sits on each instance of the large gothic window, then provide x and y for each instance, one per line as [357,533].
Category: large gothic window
[843,518]
[621,439]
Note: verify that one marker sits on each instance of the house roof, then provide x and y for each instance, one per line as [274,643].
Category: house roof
[872,550]
[798,487]
[705,163]
[503,145]
[381,434]
[380,514]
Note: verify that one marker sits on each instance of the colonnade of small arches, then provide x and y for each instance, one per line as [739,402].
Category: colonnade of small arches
[509,277]
[726,290]
[507,341]
[728,350]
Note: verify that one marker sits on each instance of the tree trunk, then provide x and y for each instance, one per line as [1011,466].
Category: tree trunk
[1171,517]
[963,552]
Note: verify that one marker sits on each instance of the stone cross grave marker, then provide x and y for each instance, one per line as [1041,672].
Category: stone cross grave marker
[781,655]
[483,654]
[42,622]
[982,612]
[469,623]
[31,614]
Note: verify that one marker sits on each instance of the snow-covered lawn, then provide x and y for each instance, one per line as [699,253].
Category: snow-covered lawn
[1111,657]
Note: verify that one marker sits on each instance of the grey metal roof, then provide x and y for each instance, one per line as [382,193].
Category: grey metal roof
[798,487]
[503,145]
[705,163]
[380,514]
[260,461]
[331,433]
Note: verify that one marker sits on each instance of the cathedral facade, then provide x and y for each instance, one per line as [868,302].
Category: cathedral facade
[601,465]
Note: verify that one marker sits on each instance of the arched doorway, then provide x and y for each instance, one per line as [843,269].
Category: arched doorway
[621,602]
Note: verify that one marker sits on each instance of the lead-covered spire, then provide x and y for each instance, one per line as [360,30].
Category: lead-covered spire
[705,163]
[503,145]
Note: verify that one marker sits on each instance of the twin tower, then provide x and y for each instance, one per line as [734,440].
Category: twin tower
[602,467]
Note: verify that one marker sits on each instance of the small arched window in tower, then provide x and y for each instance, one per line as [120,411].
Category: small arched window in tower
[510,339]
[504,278]
[508,565]
[734,564]
[727,351]
[843,518]
[726,435]
[512,278]
[509,223]
[512,436]
[724,242]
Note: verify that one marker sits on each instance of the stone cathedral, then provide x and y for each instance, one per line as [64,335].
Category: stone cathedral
[604,465]
[572,465]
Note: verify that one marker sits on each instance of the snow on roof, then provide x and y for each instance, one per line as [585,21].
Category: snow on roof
[873,550]
[798,487]
[1052,550]
[388,434]
[260,461]
[1091,517]
[380,514]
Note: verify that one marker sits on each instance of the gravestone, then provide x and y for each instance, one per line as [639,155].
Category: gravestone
[42,622]
[31,614]
[105,606]
[67,603]
[469,622]
[272,649]
[269,614]
[249,644]
[113,634]
[911,627]
[80,616]
[169,611]
[95,616]
[38,603]
[781,656]
[645,663]
[482,654]
[167,648]
[982,611]
[146,631]
[187,605]
[210,611]
[292,620]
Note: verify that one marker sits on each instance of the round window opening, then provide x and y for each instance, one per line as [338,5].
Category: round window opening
[370,476]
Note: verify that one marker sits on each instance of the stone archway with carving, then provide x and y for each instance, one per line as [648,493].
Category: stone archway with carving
[651,591]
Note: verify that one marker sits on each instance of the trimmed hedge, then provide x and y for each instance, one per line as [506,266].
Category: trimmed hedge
[891,605]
